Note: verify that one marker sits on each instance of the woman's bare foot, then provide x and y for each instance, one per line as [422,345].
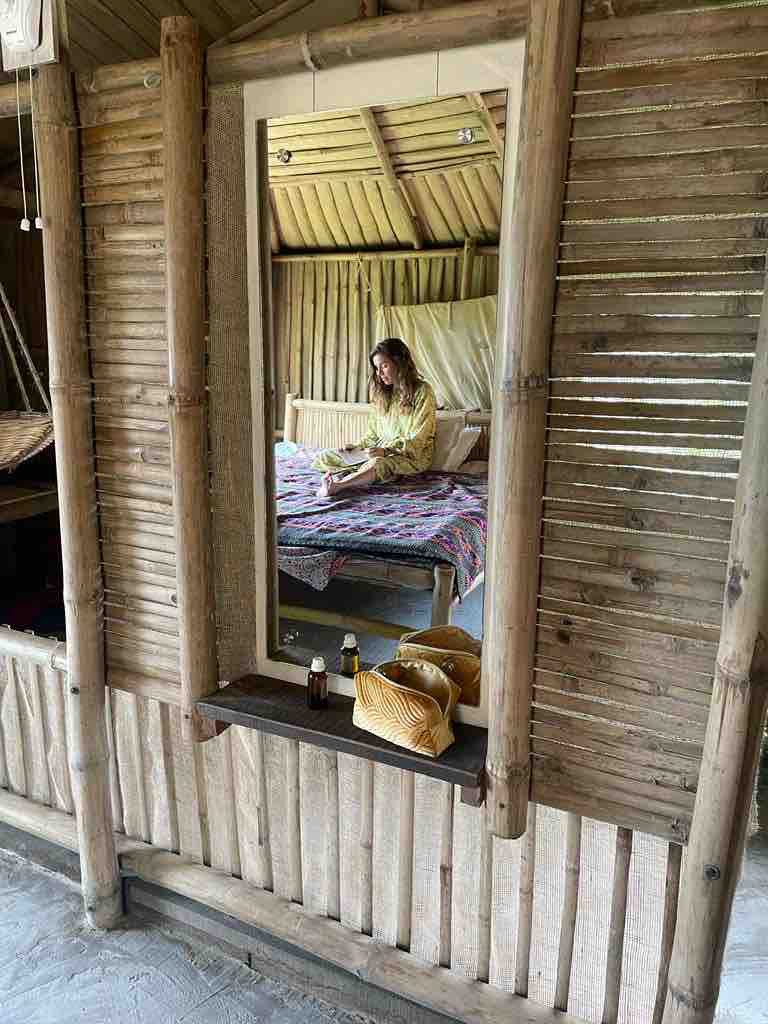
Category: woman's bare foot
[328,487]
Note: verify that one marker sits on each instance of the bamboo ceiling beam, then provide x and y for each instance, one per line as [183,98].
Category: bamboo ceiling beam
[531,230]
[463,24]
[182,105]
[734,730]
[477,102]
[70,386]
[396,187]
[262,22]
[366,256]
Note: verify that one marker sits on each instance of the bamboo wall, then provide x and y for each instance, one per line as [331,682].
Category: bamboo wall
[325,314]
[122,174]
[326,832]
[661,275]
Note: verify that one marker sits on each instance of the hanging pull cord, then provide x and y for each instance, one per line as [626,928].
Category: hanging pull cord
[25,225]
[38,209]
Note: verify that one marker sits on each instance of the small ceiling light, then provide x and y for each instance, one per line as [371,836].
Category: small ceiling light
[466,135]
[284,156]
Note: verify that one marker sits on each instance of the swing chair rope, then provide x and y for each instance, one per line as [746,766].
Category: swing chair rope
[15,365]
[24,350]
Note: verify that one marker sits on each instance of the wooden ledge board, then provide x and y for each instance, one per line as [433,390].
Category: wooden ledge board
[273,706]
[21,502]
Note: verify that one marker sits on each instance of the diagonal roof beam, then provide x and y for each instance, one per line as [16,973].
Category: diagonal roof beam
[262,22]
[477,102]
[399,193]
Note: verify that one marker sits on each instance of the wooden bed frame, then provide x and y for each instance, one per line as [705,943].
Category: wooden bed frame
[331,425]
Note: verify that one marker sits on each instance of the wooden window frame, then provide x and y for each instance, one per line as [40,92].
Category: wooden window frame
[493,66]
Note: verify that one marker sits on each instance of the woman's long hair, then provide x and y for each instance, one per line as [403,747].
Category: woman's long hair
[407,382]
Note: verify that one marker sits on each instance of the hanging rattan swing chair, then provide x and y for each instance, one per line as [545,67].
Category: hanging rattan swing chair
[22,434]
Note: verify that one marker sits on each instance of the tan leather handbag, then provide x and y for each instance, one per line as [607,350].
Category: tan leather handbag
[454,651]
[408,703]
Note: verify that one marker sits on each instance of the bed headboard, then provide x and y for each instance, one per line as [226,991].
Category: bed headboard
[332,424]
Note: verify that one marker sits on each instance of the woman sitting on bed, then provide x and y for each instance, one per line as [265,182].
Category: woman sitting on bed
[401,432]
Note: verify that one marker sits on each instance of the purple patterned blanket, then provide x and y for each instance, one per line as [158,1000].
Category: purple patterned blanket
[436,517]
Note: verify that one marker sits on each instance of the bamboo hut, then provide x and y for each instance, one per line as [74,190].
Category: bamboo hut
[582,866]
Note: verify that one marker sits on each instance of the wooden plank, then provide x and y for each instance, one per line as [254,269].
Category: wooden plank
[639,479]
[604,343]
[605,508]
[596,453]
[280,708]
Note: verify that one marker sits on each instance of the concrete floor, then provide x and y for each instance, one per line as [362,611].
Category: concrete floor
[53,970]
[744,990]
[408,607]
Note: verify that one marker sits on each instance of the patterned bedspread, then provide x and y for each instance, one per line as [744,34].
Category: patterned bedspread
[437,517]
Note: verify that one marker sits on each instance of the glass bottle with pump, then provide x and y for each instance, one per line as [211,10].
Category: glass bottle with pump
[350,656]
[317,685]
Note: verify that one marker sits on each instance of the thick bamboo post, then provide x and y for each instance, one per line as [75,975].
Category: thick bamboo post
[461,24]
[70,388]
[182,106]
[531,226]
[732,741]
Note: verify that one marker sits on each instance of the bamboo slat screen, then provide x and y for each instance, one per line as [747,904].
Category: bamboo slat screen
[661,274]
[122,190]
[325,314]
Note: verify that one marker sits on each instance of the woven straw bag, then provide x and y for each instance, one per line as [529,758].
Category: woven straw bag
[454,651]
[408,703]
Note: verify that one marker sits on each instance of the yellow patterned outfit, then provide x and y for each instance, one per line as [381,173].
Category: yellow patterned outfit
[408,433]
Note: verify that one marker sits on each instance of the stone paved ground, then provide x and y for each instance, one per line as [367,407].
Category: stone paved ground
[53,970]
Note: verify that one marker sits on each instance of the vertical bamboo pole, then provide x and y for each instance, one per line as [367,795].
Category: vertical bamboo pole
[531,227]
[446,873]
[182,114]
[405,860]
[568,915]
[732,741]
[71,397]
[671,895]
[615,961]
[525,912]
[366,846]
[467,267]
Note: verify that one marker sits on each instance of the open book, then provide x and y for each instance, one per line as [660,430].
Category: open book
[354,458]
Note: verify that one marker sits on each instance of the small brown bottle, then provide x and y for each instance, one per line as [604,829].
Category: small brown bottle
[350,656]
[317,685]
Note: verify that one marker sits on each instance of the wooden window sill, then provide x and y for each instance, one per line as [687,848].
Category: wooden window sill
[280,708]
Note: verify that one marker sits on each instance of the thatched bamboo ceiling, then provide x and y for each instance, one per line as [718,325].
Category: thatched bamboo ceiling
[393,176]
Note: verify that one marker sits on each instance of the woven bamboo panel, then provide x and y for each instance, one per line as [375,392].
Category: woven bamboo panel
[661,277]
[122,191]
[325,315]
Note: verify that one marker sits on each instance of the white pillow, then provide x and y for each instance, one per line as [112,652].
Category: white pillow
[447,433]
[467,440]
